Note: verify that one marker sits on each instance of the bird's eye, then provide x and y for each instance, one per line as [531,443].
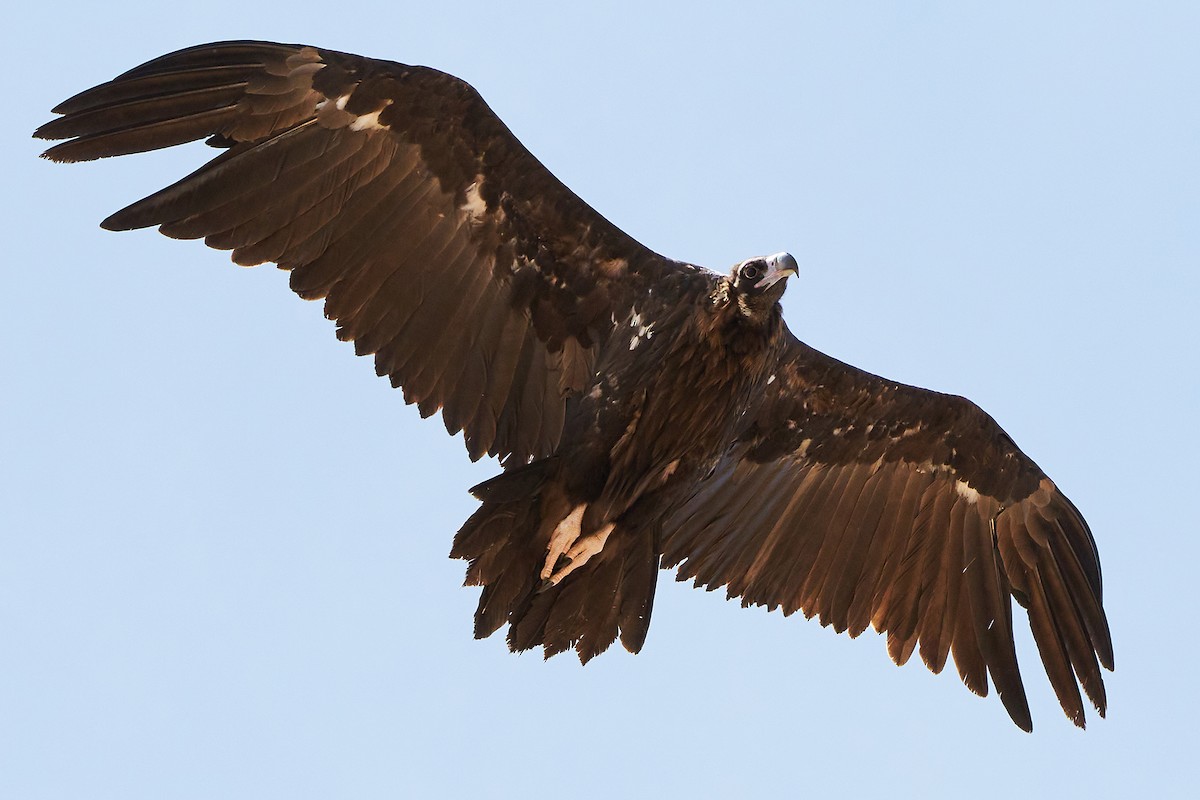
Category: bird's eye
[751,272]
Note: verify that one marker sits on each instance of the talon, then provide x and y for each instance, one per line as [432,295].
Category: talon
[564,536]
[581,552]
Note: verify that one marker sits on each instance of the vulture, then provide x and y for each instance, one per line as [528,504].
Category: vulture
[647,413]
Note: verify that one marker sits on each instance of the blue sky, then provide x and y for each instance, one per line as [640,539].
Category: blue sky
[223,541]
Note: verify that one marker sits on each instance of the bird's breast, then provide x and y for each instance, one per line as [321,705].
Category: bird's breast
[664,403]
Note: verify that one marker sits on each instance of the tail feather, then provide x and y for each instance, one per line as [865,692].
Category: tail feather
[610,596]
[517,484]
[497,560]
[505,543]
[639,577]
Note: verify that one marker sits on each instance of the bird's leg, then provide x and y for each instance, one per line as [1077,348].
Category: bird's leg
[581,551]
[565,534]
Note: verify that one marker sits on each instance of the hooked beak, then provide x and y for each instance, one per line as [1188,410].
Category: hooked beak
[779,267]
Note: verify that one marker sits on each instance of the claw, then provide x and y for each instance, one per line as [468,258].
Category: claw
[581,551]
[565,535]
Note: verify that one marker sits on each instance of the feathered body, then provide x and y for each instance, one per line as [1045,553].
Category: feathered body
[660,410]
[645,410]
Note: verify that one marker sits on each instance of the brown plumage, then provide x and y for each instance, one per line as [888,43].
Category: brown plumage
[645,410]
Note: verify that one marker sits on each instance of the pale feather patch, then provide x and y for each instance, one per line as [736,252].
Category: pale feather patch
[641,330]
[614,268]
[360,122]
[965,491]
[366,122]
[474,206]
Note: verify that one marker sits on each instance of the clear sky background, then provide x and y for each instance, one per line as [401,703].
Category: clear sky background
[223,569]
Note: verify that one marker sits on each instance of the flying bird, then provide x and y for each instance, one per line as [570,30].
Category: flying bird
[647,413]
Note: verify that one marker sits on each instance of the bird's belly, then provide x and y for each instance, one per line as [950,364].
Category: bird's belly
[654,423]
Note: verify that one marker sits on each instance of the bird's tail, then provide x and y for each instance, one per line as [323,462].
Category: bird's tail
[506,543]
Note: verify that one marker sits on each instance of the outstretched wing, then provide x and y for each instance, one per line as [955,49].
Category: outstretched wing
[480,282]
[867,502]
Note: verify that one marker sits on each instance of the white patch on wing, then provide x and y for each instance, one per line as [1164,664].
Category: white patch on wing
[366,122]
[360,122]
[964,490]
[640,329]
[475,206]
[770,380]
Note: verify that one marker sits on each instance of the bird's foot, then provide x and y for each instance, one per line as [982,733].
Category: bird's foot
[565,535]
[582,550]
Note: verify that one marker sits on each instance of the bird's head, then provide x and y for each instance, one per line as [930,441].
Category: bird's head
[759,282]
